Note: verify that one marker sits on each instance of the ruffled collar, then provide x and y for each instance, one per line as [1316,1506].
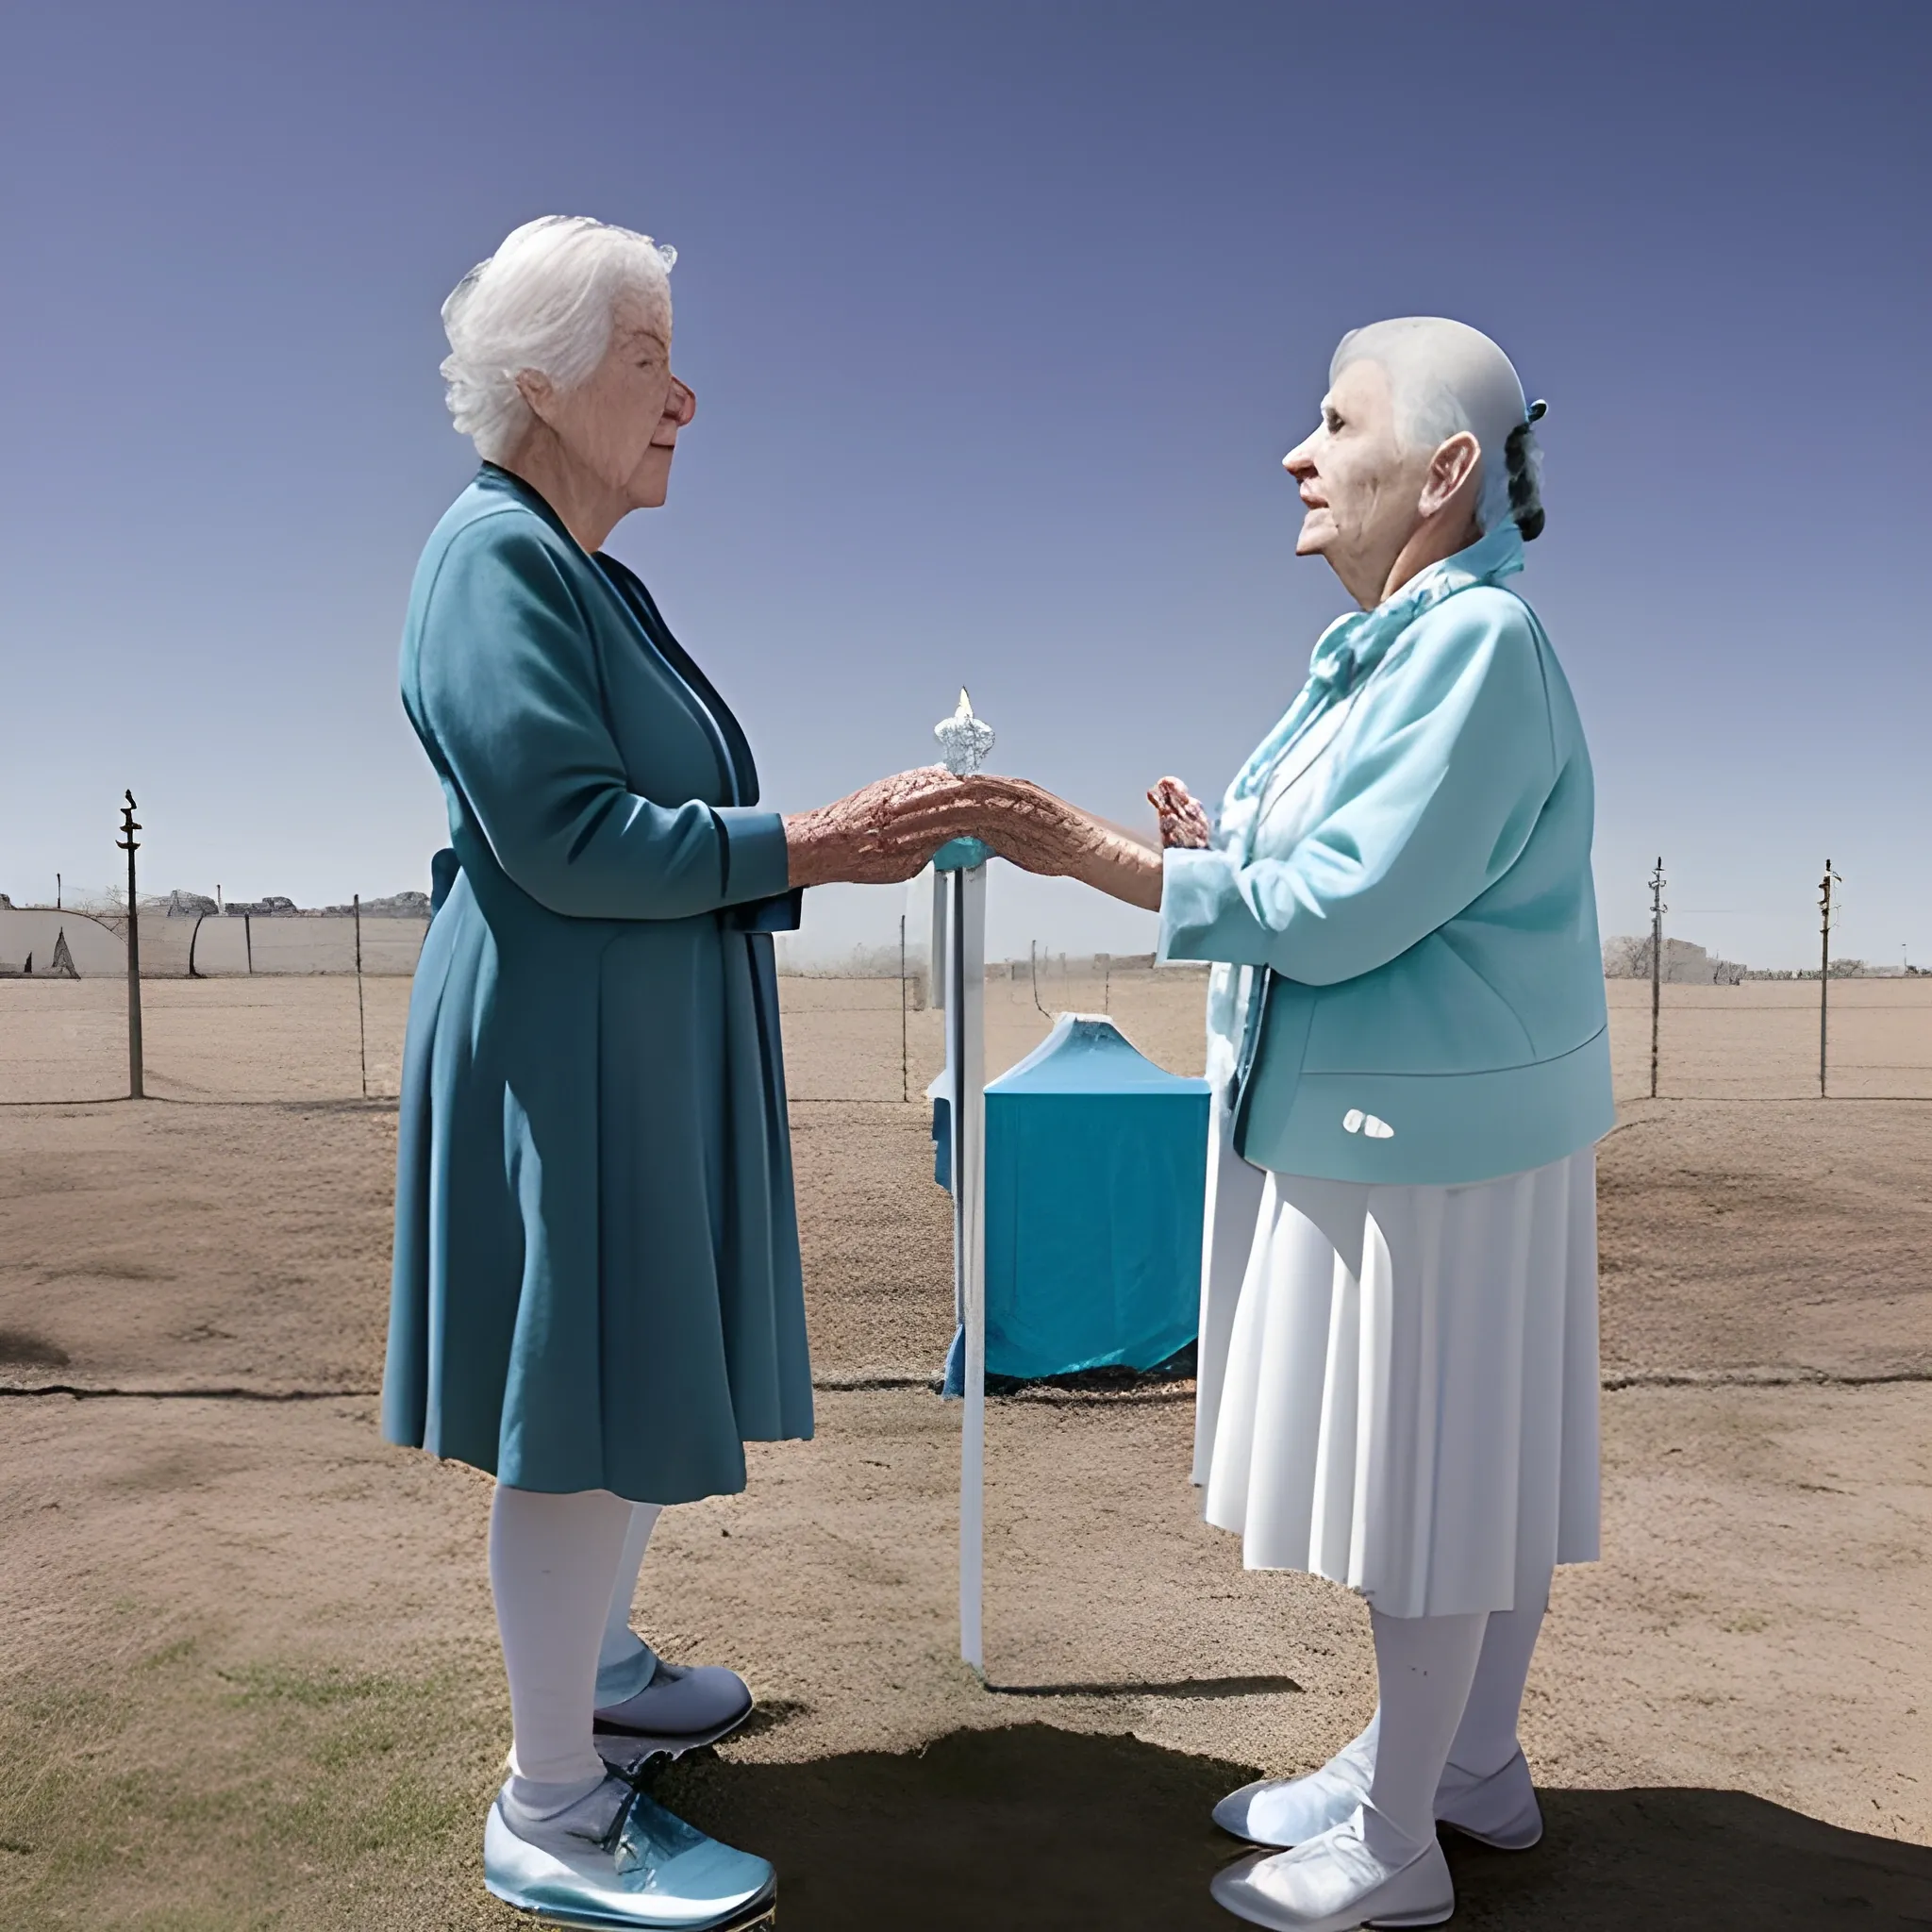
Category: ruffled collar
[1349,650]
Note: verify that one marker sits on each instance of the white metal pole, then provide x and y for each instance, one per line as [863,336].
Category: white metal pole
[966,1030]
[958,918]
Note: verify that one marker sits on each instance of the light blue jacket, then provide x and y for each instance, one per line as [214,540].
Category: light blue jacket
[1426,1003]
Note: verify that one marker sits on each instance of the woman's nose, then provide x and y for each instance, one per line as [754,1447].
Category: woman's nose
[1298,463]
[683,404]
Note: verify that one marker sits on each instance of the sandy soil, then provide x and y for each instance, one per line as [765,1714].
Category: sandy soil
[247,1675]
[1772,1238]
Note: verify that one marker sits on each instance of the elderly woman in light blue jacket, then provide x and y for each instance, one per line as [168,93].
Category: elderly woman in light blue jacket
[1398,1351]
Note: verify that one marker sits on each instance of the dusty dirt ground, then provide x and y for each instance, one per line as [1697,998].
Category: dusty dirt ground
[248,1670]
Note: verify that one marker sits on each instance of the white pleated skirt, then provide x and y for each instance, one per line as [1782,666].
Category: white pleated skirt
[1399,1385]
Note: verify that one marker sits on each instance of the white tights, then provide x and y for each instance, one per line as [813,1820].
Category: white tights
[1450,1689]
[1485,1738]
[558,1571]
[622,1645]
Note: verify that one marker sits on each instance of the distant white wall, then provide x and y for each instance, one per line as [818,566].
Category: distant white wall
[212,947]
[25,934]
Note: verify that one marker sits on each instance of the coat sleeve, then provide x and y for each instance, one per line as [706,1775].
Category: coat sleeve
[1447,770]
[511,697]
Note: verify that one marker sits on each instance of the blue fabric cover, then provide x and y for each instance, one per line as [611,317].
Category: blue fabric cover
[1096,1174]
[596,1279]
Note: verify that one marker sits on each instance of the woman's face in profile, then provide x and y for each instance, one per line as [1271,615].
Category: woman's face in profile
[1342,469]
[1358,487]
[621,424]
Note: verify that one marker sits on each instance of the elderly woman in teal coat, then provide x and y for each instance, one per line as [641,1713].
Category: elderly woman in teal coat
[1398,1347]
[596,1293]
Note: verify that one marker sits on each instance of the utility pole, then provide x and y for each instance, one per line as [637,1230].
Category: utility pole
[905,1077]
[128,843]
[58,908]
[1657,909]
[362,1023]
[1825,886]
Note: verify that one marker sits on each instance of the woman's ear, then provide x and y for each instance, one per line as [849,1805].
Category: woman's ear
[1453,465]
[539,393]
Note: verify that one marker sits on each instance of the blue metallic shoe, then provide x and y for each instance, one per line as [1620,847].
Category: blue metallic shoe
[617,1858]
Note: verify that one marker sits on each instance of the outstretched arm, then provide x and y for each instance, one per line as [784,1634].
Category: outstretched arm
[504,688]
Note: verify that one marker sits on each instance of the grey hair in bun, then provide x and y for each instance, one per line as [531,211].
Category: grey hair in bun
[1525,459]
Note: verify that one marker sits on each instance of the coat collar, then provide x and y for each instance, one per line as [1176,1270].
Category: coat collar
[1349,650]
[494,477]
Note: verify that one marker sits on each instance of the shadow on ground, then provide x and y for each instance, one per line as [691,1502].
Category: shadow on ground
[1674,1860]
[1034,1828]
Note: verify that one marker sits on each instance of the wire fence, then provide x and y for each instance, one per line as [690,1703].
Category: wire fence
[310,1034]
[1760,1040]
[266,1003]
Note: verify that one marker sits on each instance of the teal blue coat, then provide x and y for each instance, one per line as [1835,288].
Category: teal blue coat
[596,1280]
[1426,1003]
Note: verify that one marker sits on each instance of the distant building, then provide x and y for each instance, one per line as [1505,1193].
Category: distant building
[396,906]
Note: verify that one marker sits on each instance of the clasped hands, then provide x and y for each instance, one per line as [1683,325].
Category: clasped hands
[887,830]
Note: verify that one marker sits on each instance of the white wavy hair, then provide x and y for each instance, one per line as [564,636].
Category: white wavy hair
[544,302]
[1446,378]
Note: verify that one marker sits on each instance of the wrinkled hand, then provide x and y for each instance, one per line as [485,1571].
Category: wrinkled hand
[1039,832]
[886,831]
[1023,822]
[1183,818]
[879,835]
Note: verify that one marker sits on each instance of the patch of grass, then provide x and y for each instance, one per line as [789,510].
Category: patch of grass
[170,1795]
[178,1651]
[315,1688]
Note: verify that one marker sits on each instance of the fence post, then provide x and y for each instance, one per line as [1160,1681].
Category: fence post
[905,1077]
[1657,909]
[137,1087]
[362,1023]
[1825,886]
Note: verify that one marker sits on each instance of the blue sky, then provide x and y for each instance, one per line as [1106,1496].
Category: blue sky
[1000,317]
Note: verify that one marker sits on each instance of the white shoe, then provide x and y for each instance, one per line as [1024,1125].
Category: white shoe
[617,1859]
[1291,1810]
[1500,1810]
[682,1707]
[1335,1883]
